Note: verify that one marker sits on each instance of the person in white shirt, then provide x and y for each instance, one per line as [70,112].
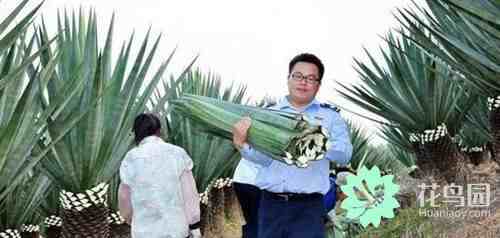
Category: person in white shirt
[157,193]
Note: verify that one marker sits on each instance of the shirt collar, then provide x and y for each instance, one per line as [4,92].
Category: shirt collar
[149,139]
[285,103]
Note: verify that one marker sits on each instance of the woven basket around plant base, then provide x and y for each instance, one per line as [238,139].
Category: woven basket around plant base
[120,230]
[118,227]
[53,226]
[476,157]
[217,210]
[10,233]
[424,162]
[442,161]
[53,232]
[85,215]
[30,231]
[205,219]
[232,207]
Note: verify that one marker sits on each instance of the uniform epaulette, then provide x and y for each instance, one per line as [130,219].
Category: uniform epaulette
[326,105]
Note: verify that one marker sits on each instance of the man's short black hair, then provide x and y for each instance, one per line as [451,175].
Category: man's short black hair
[308,58]
[145,124]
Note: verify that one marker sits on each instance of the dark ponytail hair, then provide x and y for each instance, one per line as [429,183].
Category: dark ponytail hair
[145,124]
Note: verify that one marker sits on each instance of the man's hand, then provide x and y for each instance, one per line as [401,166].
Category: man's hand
[240,131]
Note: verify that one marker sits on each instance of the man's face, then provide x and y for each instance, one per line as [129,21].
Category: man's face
[303,83]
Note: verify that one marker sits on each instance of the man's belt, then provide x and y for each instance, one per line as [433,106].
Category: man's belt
[294,196]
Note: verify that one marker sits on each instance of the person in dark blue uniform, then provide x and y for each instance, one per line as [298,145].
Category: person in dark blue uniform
[248,196]
[292,198]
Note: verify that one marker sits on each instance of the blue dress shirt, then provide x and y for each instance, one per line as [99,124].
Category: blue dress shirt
[278,177]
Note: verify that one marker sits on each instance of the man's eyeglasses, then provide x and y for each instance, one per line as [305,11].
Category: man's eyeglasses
[310,79]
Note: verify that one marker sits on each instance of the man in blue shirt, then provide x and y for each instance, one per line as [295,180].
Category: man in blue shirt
[291,202]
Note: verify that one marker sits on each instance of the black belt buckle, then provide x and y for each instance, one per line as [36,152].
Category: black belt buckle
[297,196]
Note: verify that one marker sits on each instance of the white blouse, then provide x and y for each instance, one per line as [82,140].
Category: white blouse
[153,172]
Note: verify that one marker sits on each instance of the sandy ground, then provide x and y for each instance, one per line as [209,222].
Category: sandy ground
[480,226]
[232,230]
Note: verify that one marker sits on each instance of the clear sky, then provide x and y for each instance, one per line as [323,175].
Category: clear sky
[249,41]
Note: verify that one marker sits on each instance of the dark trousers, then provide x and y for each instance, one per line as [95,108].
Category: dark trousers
[249,198]
[282,218]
